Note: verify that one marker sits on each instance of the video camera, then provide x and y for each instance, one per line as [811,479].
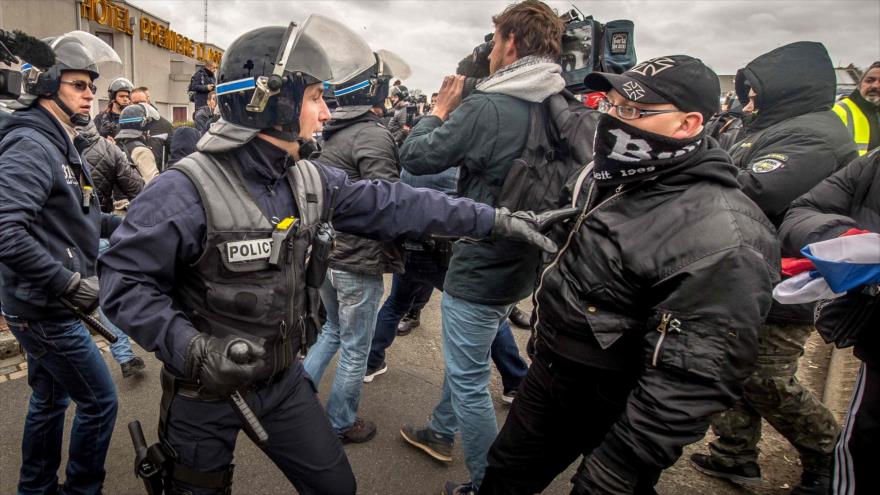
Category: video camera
[587,46]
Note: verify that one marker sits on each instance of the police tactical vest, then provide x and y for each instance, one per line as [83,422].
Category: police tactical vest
[129,145]
[232,289]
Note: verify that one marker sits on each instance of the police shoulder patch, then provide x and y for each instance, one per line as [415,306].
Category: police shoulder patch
[765,165]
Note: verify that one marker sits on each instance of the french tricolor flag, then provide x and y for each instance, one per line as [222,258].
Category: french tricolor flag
[842,264]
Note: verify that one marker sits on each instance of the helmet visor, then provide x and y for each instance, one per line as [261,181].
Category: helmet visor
[392,65]
[326,50]
[93,53]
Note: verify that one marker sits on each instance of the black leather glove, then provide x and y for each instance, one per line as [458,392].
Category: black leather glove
[208,360]
[82,292]
[528,227]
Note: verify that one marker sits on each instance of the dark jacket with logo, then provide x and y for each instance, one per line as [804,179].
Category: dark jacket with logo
[848,199]
[483,137]
[198,84]
[111,168]
[669,278]
[165,230]
[45,232]
[795,141]
[364,149]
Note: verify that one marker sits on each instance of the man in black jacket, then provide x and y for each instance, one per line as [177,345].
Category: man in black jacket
[111,168]
[643,332]
[202,83]
[792,142]
[849,199]
[50,223]
[356,142]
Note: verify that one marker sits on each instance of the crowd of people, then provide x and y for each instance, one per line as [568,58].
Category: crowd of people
[248,251]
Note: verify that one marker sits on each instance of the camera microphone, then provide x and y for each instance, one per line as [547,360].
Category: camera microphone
[18,44]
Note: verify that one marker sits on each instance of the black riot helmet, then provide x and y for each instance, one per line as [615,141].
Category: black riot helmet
[74,51]
[119,84]
[264,72]
[135,120]
[370,87]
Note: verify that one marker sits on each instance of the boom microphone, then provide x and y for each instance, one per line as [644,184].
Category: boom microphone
[26,47]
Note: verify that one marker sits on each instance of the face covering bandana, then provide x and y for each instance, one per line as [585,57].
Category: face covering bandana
[624,154]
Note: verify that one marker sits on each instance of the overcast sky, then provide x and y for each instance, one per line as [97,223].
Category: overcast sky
[434,35]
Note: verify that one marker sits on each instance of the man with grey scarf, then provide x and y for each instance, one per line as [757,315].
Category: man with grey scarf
[482,134]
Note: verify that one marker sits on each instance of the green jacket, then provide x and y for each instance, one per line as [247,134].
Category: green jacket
[483,136]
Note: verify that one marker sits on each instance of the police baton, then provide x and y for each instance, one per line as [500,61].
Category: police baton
[145,466]
[92,322]
[240,353]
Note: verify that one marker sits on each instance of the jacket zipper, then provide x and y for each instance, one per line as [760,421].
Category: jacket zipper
[581,219]
[667,323]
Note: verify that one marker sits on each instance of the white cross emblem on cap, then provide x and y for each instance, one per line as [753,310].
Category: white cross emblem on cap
[633,90]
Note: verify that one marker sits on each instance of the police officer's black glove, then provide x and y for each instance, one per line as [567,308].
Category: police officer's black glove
[528,227]
[595,478]
[208,360]
[82,292]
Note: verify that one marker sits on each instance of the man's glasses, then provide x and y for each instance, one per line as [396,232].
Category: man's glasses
[628,113]
[82,85]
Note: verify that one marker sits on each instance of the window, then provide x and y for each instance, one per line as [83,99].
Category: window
[105,37]
[178,114]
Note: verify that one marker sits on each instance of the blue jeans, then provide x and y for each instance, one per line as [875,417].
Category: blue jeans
[423,270]
[64,364]
[121,349]
[352,302]
[465,405]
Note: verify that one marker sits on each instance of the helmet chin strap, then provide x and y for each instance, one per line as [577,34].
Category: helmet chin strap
[76,119]
[307,147]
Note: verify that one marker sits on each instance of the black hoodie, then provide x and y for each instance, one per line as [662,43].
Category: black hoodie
[688,248]
[45,232]
[795,141]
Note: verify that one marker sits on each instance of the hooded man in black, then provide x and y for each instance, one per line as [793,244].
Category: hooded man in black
[642,333]
[792,142]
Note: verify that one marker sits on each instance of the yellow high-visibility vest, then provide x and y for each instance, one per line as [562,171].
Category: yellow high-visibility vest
[855,121]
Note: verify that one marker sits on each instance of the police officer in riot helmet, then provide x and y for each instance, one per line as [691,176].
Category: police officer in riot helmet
[119,92]
[133,138]
[209,270]
[50,225]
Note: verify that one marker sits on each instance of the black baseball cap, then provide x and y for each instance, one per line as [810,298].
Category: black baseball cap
[681,80]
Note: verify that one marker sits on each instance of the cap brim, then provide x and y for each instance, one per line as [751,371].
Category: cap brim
[628,87]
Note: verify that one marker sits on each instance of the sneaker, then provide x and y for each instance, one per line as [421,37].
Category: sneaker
[132,367]
[453,488]
[748,473]
[813,484]
[361,431]
[520,318]
[434,444]
[508,395]
[408,323]
[372,373]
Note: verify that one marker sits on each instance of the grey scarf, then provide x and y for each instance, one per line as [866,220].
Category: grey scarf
[532,78]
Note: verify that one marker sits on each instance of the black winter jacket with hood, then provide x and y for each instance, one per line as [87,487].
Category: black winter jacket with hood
[356,142]
[111,169]
[45,233]
[669,278]
[794,141]
[848,199]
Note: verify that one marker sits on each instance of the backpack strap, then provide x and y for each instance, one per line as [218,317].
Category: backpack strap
[307,183]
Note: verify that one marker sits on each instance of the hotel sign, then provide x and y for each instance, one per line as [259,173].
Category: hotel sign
[117,17]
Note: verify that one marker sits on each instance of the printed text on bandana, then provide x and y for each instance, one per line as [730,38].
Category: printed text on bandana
[250,250]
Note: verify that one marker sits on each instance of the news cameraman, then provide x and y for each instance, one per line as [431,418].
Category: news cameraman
[214,255]
[50,224]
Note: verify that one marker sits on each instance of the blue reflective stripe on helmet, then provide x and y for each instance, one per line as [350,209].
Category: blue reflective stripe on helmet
[129,120]
[352,89]
[26,67]
[236,86]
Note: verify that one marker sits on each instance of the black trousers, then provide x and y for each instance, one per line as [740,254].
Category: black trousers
[562,411]
[855,467]
[301,442]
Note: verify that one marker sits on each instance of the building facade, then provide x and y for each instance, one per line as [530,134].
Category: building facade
[152,53]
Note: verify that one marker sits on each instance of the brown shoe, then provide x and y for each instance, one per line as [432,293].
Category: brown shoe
[361,431]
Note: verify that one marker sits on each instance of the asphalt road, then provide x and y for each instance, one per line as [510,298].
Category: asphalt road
[386,465]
